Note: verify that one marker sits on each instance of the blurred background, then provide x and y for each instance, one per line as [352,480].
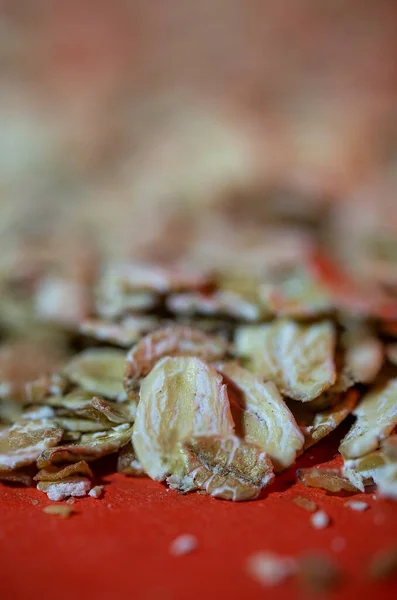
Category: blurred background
[178,128]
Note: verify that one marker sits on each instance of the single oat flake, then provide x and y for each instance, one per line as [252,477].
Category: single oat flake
[376,418]
[22,443]
[315,426]
[99,371]
[53,473]
[298,358]
[181,397]
[169,341]
[90,446]
[224,467]
[261,415]
[331,480]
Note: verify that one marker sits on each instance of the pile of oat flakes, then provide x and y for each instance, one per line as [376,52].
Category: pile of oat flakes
[208,379]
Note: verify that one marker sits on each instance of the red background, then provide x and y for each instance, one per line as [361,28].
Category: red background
[118,546]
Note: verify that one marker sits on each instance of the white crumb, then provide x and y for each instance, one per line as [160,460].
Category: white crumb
[269,569]
[63,489]
[357,505]
[184,544]
[320,520]
[96,492]
[338,544]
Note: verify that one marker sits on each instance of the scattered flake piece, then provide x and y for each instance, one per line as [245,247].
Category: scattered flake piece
[338,544]
[219,303]
[22,443]
[384,564]
[184,544]
[122,334]
[105,412]
[181,397]
[59,490]
[170,341]
[127,462]
[295,294]
[225,467]
[364,355]
[62,301]
[37,413]
[327,479]
[269,569]
[99,371]
[376,418]
[59,510]
[318,573]
[386,480]
[261,415]
[316,426]
[298,358]
[357,505]
[53,473]
[90,446]
[305,503]
[320,520]
[96,492]
[389,447]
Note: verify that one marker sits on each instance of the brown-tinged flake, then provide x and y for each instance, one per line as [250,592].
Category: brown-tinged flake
[384,564]
[305,503]
[225,467]
[56,491]
[261,415]
[298,358]
[90,446]
[18,477]
[54,473]
[315,426]
[170,341]
[22,443]
[376,417]
[59,510]
[98,371]
[127,462]
[181,397]
[331,480]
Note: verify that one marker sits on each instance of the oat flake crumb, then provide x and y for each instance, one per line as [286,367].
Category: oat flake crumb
[59,510]
[320,520]
[269,569]
[184,544]
[357,505]
[96,492]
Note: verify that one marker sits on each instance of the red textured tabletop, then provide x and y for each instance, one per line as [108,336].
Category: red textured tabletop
[118,546]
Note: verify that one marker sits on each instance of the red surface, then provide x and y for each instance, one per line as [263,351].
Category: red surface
[118,546]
